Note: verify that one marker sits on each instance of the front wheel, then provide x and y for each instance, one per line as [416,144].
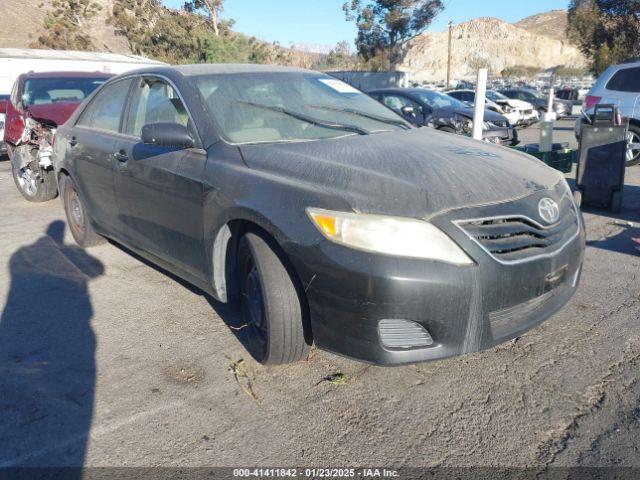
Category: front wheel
[272,309]
[77,218]
[35,184]
[633,146]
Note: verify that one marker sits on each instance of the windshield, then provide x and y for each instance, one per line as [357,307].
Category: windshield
[495,96]
[39,91]
[289,107]
[533,93]
[437,100]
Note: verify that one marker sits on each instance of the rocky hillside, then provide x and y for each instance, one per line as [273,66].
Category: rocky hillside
[21,23]
[552,24]
[489,43]
[146,27]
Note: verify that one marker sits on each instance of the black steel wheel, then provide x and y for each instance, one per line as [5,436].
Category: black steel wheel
[77,217]
[272,310]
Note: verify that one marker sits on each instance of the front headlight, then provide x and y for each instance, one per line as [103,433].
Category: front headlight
[396,236]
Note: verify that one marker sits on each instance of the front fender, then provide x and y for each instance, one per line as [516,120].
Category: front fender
[21,156]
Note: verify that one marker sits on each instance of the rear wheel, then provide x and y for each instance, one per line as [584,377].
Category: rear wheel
[272,309]
[35,184]
[633,146]
[77,218]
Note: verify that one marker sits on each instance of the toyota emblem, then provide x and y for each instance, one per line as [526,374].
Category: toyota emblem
[548,210]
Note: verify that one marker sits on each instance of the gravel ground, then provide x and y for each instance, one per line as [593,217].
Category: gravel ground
[106,360]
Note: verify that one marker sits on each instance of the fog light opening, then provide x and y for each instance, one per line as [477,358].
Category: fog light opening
[403,334]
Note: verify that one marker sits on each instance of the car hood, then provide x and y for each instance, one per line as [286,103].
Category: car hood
[521,104]
[53,113]
[414,173]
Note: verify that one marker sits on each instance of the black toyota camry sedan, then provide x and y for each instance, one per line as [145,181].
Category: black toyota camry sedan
[326,216]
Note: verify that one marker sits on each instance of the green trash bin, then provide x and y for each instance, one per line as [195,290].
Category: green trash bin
[560,158]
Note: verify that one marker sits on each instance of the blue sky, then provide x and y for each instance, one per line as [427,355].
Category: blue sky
[322,21]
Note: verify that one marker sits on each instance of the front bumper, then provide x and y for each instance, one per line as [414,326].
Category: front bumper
[464,309]
[502,136]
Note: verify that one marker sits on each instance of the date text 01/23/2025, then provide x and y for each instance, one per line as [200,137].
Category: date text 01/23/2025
[315,473]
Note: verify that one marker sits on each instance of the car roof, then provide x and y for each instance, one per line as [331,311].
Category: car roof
[231,68]
[66,75]
[399,90]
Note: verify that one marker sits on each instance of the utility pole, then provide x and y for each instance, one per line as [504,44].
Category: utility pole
[450,25]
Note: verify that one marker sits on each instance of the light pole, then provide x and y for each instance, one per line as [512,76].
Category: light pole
[450,25]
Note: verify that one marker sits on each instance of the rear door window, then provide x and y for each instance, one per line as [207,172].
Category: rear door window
[625,80]
[105,110]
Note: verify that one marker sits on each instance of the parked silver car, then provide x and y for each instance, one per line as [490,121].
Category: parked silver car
[619,85]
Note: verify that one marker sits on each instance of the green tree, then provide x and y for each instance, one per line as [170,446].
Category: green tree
[212,7]
[384,26]
[606,31]
[65,25]
[341,57]
[520,71]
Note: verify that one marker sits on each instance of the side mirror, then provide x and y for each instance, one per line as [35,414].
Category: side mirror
[167,135]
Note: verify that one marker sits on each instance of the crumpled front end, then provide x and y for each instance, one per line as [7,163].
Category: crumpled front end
[35,146]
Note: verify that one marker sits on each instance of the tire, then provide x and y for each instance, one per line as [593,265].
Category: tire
[616,202]
[633,136]
[34,184]
[272,309]
[77,217]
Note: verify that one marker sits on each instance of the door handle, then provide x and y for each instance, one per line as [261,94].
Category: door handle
[121,156]
[73,142]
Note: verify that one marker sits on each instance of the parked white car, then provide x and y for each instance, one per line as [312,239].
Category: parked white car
[527,113]
[619,85]
[469,97]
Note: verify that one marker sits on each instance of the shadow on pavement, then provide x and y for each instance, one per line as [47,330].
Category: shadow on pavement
[628,239]
[47,347]
[228,312]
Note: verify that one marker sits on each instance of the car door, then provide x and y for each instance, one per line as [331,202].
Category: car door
[91,143]
[159,190]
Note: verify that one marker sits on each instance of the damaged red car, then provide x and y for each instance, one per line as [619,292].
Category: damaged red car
[39,103]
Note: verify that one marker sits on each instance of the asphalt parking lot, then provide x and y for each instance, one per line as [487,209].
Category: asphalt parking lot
[106,360]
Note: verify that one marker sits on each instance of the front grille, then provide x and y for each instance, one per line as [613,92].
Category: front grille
[528,112]
[515,238]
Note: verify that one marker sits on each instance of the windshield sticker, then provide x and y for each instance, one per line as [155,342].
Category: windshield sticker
[339,86]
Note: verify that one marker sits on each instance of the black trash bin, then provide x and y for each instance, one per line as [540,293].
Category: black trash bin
[601,164]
